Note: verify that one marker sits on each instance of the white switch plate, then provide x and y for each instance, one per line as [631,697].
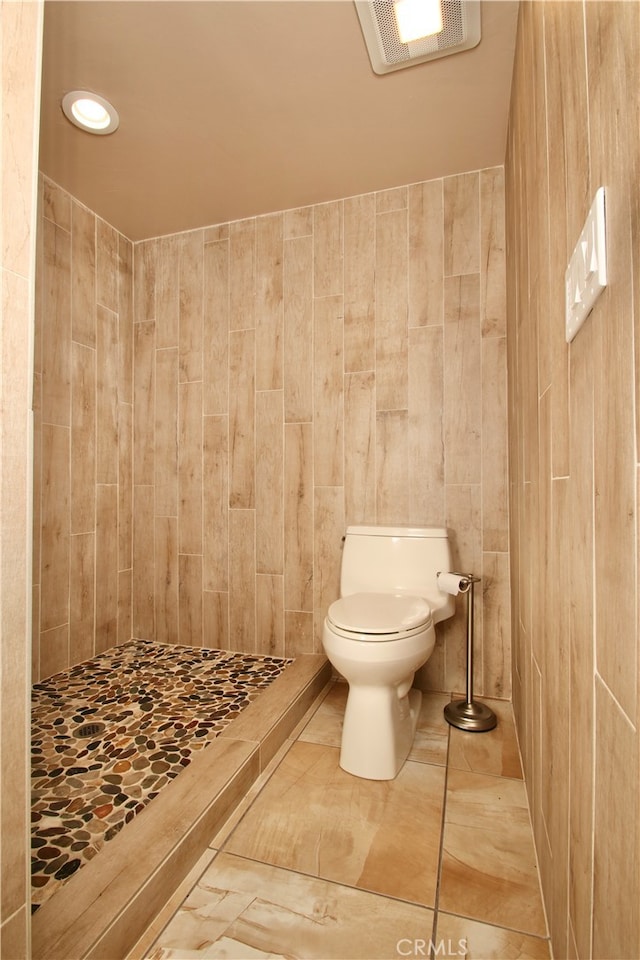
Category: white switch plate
[586,275]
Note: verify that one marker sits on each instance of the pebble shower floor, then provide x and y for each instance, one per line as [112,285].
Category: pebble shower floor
[108,734]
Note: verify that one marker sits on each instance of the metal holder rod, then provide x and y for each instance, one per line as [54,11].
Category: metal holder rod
[469,714]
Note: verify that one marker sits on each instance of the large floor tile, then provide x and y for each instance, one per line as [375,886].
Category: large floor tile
[432,730]
[492,751]
[459,937]
[313,817]
[325,726]
[242,909]
[489,870]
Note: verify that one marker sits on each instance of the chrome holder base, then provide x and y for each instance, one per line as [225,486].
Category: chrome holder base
[472,716]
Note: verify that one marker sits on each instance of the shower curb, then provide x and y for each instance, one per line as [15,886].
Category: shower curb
[102,911]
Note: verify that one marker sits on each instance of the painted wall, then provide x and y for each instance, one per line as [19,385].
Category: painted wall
[297,372]
[21,32]
[573,422]
[83,417]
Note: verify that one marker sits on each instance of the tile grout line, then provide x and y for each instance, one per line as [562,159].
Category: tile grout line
[435,947]
[290,741]
[441,847]
[222,847]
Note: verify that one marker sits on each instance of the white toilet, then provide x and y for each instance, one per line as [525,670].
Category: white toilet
[379,633]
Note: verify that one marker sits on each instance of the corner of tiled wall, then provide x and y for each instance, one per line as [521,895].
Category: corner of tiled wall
[20,36]
[83,434]
[573,417]
[233,396]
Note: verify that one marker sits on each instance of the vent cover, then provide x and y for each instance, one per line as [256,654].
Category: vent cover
[387,52]
[88,730]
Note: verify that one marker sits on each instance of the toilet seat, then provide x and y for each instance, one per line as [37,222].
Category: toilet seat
[374,617]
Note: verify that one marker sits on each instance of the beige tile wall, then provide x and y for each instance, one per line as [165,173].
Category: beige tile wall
[83,424]
[21,30]
[335,364]
[573,419]
[293,373]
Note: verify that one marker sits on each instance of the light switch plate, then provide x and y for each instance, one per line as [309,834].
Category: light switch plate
[586,275]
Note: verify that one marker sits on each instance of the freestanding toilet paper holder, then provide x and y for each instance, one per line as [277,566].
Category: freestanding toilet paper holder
[469,714]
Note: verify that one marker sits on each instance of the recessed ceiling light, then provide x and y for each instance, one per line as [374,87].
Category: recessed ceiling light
[90,112]
[417,19]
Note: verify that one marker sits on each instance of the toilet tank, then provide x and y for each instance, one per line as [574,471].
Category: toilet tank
[400,559]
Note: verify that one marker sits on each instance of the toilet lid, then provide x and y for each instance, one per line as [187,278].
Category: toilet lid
[379,613]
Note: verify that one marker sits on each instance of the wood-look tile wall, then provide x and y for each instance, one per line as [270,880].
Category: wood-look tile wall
[20,35]
[573,426]
[297,372]
[83,426]
[294,373]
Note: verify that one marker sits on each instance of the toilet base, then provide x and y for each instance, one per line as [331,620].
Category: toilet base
[378,730]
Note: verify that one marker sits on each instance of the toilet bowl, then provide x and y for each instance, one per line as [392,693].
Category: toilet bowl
[382,710]
[377,639]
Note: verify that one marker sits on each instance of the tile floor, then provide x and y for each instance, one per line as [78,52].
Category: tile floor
[316,863]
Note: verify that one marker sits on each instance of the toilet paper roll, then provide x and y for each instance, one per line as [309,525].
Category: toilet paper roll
[452,583]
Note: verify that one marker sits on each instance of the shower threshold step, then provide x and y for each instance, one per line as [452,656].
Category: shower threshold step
[103,909]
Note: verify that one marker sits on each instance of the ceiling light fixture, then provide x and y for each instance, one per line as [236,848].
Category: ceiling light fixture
[418,18]
[460,30]
[90,112]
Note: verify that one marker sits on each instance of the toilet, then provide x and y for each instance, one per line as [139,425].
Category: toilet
[380,631]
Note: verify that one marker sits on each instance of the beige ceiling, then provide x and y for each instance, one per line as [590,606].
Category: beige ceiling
[234,109]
